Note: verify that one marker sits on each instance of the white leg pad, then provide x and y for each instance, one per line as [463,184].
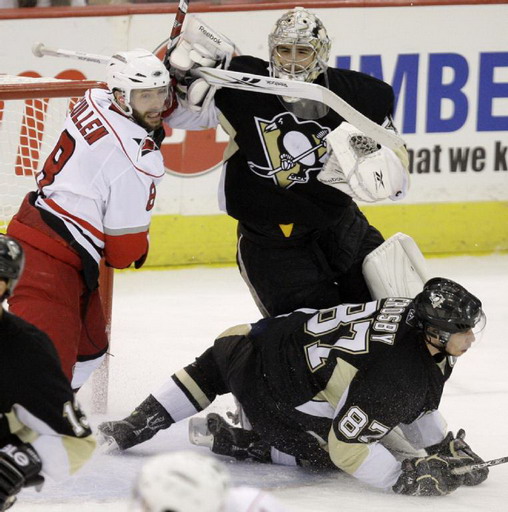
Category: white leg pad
[396,268]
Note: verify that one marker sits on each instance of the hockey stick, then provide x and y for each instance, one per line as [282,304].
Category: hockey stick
[480,465]
[283,87]
[183,6]
[41,50]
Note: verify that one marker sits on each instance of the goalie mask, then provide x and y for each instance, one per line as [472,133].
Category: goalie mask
[135,69]
[448,308]
[181,482]
[299,46]
[12,261]
[299,49]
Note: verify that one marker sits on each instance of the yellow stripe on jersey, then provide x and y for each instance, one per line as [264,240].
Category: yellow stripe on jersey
[237,330]
[193,388]
[341,377]
[26,435]
[347,456]
[232,146]
[79,450]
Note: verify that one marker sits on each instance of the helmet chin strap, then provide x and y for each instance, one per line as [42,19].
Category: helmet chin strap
[441,348]
[443,341]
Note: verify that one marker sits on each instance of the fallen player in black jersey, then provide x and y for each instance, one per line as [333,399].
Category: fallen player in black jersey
[356,387]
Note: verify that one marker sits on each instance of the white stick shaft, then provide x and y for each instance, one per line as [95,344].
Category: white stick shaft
[283,87]
[40,50]
[466,469]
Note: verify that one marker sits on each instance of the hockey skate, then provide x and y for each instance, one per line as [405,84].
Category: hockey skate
[140,426]
[222,438]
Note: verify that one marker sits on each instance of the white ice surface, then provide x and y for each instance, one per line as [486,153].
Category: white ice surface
[162,320]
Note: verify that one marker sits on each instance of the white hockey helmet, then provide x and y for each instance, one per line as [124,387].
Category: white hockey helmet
[183,481]
[135,69]
[299,27]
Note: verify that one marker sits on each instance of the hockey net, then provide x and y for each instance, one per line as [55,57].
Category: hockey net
[32,113]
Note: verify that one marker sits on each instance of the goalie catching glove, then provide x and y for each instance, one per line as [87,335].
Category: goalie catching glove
[456,447]
[198,45]
[20,466]
[363,169]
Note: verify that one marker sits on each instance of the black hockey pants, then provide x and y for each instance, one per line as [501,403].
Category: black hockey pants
[319,270]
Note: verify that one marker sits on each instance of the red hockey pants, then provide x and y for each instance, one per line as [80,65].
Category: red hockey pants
[52,295]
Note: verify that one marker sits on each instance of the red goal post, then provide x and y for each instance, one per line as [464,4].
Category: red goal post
[32,113]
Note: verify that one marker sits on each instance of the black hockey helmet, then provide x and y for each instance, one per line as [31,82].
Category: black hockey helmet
[12,261]
[448,307]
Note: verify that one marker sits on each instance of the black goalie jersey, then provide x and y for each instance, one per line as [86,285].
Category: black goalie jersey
[349,375]
[274,156]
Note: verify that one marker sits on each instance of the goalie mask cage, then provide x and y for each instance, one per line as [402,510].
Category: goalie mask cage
[32,113]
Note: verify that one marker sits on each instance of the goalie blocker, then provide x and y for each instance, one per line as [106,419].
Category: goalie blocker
[198,45]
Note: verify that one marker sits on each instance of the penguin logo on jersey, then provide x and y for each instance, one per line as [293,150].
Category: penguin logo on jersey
[146,145]
[292,149]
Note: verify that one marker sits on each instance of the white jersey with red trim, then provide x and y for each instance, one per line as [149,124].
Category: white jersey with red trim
[100,180]
[250,499]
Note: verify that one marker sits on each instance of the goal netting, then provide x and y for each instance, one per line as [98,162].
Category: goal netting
[32,113]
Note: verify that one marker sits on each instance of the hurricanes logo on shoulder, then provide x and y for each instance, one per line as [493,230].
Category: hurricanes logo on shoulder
[146,145]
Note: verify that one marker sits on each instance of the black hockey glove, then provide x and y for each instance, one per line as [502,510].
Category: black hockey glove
[456,447]
[20,466]
[428,476]
[236,442]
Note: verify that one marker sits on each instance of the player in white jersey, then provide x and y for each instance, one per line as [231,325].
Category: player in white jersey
[94,200]
[189,481]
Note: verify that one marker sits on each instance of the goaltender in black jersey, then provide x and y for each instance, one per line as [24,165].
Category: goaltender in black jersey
[356,387]
[294,168]
[43,432]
